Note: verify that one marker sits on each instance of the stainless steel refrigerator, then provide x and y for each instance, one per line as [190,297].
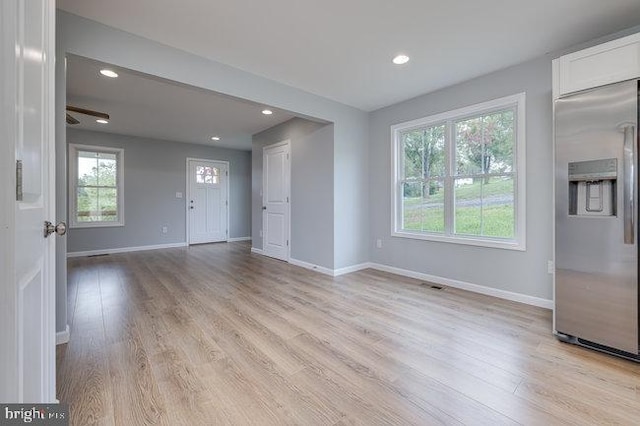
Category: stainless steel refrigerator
[596,223]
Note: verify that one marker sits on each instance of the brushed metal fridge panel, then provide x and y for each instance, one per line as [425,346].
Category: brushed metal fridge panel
[598,307]
[596,272]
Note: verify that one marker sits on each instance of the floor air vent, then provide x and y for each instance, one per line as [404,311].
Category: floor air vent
[431,286]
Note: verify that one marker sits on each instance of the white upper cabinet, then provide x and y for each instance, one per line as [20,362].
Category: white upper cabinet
[607,63]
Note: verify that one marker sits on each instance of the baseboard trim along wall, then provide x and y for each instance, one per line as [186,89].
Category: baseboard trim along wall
[124,250]
[257,251]
[311,266]
[63,336]
[236,239]
[462,285]
[350,269]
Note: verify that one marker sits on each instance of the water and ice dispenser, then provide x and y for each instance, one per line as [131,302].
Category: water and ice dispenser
[592,187]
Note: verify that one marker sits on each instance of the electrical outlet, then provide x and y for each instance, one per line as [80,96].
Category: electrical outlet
[178,194]
[165,229]
[379,243]
[550,267]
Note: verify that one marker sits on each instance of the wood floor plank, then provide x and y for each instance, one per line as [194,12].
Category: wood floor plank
[136,398]
[212,334]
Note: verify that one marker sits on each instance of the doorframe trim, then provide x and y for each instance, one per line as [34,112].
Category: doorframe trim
[50,117]
[188,195]
[287,143]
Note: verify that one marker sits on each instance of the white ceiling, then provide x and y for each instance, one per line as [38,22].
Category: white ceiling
[342,49]
[145,106]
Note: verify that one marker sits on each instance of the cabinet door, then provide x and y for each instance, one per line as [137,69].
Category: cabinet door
[611,62]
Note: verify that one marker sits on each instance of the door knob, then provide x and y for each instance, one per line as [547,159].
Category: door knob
[50,228]
[264,207]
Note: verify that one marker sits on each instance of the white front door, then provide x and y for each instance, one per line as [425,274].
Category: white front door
[207,201]
[27,294]
[275,201]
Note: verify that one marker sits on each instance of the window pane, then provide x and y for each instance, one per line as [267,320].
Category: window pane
[485,207]
[108,204]
[469,146]
[433,206]
[87,204]
[107,172]
[423,206]
[468,206]
[423,152]
[500,142]
[485,144]
[498,211]
[411,206]
[97,205]
[87,168]
[199,174]
[207,175]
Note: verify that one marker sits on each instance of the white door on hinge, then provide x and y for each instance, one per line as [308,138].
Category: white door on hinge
[207,201]
[27,292]
[275,201]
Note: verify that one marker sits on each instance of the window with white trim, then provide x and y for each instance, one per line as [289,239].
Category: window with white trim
[459,176]
[95,186]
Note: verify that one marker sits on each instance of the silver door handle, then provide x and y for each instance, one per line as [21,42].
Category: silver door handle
[629,159]
[50,228]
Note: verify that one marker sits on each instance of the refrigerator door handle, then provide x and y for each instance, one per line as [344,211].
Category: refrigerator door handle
[629,151]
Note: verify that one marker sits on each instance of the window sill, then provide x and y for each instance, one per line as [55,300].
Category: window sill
[470,241]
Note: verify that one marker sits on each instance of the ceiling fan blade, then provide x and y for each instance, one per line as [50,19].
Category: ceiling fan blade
[88,112]
[71,120]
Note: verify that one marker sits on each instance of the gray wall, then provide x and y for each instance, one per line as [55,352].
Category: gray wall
[521,272]
[154,171]
[312,206]
[350,194]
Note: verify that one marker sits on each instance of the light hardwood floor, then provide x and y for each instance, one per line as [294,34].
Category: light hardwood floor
[212,334]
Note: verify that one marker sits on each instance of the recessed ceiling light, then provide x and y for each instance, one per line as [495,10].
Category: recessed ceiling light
[109,73]
[401,59]
[267,112]
[102,121]
[215,138]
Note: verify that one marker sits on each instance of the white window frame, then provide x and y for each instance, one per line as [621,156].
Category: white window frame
[517,102]
[73,181]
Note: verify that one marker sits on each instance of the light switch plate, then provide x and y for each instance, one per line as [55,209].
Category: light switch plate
[178,194]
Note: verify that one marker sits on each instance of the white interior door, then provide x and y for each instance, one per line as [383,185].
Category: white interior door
[275,201]
[27,299]
[208,201]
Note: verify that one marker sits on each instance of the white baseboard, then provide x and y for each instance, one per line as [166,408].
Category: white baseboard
[311,266]
[63,336]
[462,285]
[350,269]
[301,263]
[236,239]
[124,250]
